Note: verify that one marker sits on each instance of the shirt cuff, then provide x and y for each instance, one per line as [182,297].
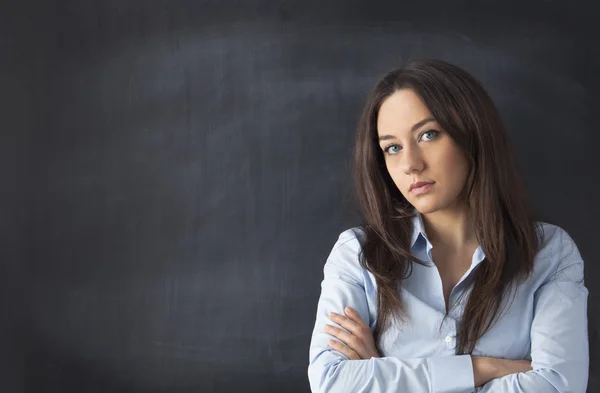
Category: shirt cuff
[452,374]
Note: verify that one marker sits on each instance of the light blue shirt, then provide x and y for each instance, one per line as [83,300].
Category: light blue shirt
[546,323]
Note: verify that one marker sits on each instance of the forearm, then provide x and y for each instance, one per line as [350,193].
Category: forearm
[484,370]
[328,372]
[540,380]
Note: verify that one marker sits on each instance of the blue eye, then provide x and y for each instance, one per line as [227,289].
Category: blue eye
[389,146]
[433,134]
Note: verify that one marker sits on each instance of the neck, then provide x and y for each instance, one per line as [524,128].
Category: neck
[450,229]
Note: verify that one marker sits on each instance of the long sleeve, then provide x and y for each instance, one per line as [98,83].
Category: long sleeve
[332,372]
[559,332]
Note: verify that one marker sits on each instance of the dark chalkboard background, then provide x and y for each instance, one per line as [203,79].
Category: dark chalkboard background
[174,173]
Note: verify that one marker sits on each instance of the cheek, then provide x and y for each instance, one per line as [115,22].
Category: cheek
[454,167]
[397,179]
[400,179]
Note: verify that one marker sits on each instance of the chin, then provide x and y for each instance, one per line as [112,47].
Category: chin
[425,207]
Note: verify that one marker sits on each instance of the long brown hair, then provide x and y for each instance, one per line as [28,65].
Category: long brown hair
[504,222]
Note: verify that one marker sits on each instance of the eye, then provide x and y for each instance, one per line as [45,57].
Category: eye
[389,146]
[433,134]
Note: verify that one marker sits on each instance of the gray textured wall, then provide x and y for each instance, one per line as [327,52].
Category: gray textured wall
[175,172]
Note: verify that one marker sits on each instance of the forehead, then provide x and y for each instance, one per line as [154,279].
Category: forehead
[400,111]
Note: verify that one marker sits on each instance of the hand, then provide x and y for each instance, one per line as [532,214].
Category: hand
[487,368]
[509,366]
[360,343]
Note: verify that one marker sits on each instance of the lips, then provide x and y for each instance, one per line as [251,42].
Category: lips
[419,184]
[423,189]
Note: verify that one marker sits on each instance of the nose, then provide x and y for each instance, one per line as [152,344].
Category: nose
[411,160]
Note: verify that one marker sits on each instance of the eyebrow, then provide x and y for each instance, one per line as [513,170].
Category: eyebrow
[415,127]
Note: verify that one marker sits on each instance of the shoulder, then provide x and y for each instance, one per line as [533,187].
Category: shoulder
[556,240]
[557,250]
[345,254]
[350,238]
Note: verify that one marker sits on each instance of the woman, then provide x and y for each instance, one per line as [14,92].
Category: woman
[451,284]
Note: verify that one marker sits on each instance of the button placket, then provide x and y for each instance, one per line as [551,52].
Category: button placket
[450,329]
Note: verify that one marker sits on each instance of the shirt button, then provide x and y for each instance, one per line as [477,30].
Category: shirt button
[448,339]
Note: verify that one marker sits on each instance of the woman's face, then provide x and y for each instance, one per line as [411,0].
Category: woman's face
[416,149]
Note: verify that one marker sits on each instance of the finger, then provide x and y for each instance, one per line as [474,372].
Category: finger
[355,317]
[346,322]
[355,343]
[340,347]
[348,338]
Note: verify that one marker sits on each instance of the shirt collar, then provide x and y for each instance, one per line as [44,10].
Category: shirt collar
[419,231]
[418,228]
